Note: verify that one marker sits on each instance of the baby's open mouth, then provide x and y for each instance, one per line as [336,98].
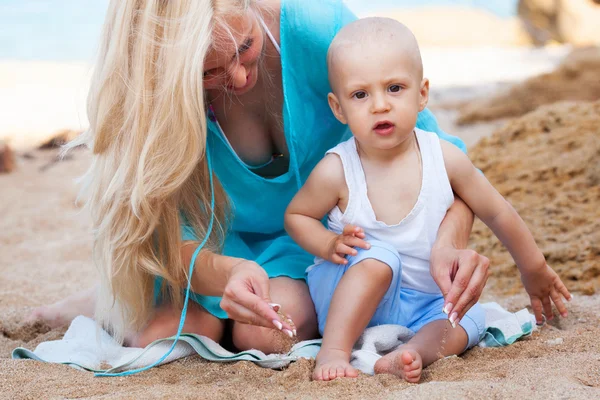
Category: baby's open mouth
[384,127]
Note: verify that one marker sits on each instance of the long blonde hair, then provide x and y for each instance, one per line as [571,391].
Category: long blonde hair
[148,134]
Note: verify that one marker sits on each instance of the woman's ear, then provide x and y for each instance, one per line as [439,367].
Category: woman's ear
[334,104]
[423,94]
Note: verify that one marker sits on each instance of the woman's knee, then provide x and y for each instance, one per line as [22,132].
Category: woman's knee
[246,337]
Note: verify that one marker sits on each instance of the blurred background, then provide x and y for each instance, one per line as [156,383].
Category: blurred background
[47,49]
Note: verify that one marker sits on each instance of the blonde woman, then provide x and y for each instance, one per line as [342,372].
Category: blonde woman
[244,82]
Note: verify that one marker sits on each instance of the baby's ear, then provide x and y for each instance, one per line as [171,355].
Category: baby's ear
[336,108]
[423,94]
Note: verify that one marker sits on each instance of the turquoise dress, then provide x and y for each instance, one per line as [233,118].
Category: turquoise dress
[256,232]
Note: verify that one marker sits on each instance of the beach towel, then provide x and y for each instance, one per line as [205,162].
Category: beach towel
[88,347]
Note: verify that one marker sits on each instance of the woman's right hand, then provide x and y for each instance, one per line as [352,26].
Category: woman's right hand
[246,298]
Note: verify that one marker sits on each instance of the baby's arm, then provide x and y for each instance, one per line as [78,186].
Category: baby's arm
[317,197]
[540,281]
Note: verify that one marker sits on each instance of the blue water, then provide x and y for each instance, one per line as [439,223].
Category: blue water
[69,30]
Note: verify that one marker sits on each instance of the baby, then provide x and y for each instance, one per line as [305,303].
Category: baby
[386,192]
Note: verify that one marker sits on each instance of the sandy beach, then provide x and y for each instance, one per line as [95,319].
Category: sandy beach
[545,162]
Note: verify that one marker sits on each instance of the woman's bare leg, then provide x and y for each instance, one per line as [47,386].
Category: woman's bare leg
[295,301]
[165,323]
[64,311]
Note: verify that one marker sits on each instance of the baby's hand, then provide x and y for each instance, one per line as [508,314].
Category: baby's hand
[543,285]
[344,244]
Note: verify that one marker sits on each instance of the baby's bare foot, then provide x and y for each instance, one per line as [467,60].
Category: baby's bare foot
[331,364]
[405,363]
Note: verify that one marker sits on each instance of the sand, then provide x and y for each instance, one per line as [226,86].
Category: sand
[545,163]
[577,78]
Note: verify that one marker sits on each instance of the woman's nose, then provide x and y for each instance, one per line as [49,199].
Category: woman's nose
[238,75]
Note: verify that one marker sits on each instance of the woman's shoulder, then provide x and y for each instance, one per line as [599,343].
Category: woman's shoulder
[314,23]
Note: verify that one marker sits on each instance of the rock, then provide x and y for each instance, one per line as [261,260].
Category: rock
[59,139]
[7,158]
[555,342]
[564,21]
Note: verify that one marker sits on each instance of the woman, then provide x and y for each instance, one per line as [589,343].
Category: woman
[244,82]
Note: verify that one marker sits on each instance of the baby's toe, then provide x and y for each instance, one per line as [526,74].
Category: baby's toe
[350,372]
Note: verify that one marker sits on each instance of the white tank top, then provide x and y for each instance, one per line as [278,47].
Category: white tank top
[415,235]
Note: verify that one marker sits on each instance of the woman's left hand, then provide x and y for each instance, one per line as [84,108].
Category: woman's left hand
[461,275]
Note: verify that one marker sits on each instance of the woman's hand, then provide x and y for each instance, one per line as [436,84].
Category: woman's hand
[461,275]
[344,244]
[544,288]
[246,298]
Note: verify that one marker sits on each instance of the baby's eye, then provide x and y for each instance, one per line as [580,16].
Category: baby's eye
[360,95]
[394,88]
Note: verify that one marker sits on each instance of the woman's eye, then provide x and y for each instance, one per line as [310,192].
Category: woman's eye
[394,88]
[211,73]
[247,45]
[360,95]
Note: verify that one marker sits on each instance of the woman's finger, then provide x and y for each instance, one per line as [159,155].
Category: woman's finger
[261,308]
[460,283]
[239,295]
[560,306]
[242,315]
[466,309]
[475,286]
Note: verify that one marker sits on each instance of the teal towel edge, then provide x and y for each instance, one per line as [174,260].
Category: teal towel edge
[198,344]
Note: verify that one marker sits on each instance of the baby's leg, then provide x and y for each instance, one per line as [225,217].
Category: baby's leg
[435,340]
[354,302]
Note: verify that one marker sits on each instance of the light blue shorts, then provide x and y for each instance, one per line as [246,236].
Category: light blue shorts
[399,306]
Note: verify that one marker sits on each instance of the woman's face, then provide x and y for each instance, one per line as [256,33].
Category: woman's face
[231,64]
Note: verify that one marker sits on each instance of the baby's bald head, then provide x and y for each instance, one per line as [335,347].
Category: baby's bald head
[373,34]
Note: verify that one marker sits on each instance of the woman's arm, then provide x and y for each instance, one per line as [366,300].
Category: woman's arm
[460,273]
[211,271]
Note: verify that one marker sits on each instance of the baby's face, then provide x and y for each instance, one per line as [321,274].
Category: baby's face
[378,92]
